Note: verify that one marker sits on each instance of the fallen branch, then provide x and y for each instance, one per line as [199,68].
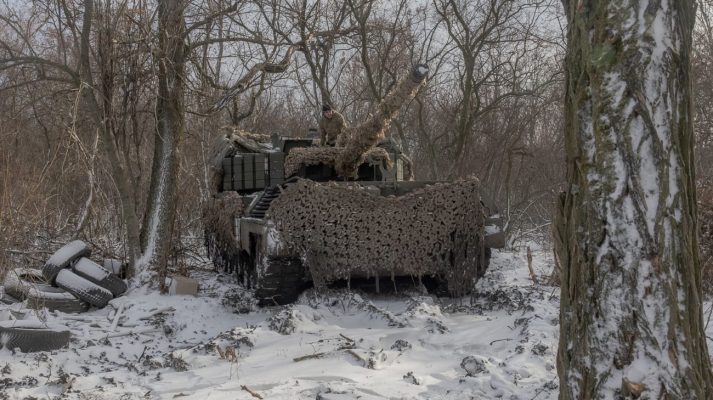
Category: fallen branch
[309,356]
[131,332]
[80,319]
[358,357]
[345,337]
[156,312]
[247,389]
[529,266]
[115,322]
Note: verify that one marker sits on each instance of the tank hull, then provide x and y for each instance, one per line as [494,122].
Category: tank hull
[318,233]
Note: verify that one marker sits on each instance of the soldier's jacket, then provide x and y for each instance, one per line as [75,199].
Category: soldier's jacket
[330,129]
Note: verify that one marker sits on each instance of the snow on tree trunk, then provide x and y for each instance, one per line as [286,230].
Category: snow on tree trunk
[631,320]
[158,224]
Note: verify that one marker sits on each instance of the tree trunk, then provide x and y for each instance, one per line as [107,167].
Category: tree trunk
[631,320]
[108,143]
[158,222]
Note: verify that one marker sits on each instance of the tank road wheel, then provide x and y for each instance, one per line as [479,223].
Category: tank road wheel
[281,281]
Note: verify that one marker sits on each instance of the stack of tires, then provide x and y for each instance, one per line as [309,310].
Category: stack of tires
[68,282]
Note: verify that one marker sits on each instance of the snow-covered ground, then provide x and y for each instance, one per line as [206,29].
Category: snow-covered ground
[335,345]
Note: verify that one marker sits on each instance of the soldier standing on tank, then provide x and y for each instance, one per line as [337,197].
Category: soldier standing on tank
[331,126]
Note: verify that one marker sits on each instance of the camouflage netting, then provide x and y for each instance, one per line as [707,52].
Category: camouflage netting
[349,231]
[327,155]
[244,136]
[219,215]
[359,139]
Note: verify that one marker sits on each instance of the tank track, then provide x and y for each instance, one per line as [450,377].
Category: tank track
[281,282]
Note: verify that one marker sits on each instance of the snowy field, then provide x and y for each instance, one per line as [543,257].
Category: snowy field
[336,345]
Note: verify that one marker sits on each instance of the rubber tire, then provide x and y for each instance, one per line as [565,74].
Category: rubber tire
[32,339]
[91,271]
[282,282]
[41,296]
[7,299]
[19,280]
[78,249]
[83,289]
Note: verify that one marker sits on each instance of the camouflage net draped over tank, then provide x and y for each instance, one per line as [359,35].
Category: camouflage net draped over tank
[219,214]
[327,156]
[340,231]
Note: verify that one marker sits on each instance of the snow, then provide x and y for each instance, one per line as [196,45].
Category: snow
[48,293]
[68,251]
[337,344]
[492,229]
[32,324]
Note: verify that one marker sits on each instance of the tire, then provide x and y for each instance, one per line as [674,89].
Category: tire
[282,281]
[54,299]
[19,280]
[63,258]
[83,289]
[94,273]
[31,336]
[7,299]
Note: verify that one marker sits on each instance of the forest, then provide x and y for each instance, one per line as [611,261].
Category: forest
[585,123]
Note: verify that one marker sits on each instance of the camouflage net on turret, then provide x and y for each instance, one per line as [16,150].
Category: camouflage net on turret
[342,231]
[254,137]
[327,156]
[359,139]
[219,215]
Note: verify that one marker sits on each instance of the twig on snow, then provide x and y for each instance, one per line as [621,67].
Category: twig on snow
[131,332]
[252,393]
[115,322]
[307,357]
[156,312]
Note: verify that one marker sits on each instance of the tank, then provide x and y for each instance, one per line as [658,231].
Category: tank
[288,213]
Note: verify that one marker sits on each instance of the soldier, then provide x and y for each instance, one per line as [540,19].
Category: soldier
[331,126]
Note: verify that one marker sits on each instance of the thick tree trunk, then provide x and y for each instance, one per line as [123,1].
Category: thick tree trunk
[631,320]
[161,210]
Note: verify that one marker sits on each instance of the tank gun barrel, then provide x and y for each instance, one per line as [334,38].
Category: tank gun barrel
[359,139]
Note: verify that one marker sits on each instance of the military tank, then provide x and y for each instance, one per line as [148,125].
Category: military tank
[288,213]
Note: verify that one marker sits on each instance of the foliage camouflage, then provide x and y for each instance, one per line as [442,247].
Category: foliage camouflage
[328,155]
[343,231]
